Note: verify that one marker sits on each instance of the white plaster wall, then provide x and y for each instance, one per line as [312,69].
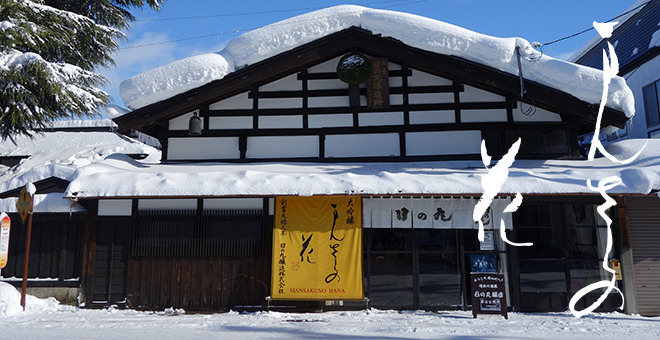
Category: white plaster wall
[115,207]
[380,118]
[330,120]
[233,203]
[281,122]
[230,123]
[288,83]
[326,84]
[282,146]
[328,66]
[636,80]
[420,78]
[280,103]
[200,148]
[237,102]
[432,117]
[169,204]
[362,145]
[540,115]
[483,116]
[443,143]
[474,95]
[342,101]
[430,98]
[395,82]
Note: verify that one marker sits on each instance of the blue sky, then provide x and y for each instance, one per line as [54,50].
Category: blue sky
[183,28]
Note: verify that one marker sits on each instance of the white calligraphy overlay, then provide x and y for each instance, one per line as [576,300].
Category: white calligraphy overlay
[610,70]
[492,183]
[493,180]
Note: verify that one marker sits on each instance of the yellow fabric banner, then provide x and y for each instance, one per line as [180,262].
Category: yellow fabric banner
[317,248]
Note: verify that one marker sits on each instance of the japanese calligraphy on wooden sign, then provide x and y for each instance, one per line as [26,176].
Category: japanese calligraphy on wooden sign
[378,86]
[317,248]
[488,294]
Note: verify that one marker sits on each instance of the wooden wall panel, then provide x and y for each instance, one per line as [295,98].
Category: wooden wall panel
[207,287]
[186,278]
[217,283]
[166,283]
[176,283]
[133,286]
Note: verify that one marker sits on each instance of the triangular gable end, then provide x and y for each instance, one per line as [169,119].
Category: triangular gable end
[299,91]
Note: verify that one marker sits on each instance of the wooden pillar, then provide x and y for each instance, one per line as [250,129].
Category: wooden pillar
[89,254]
[626,258]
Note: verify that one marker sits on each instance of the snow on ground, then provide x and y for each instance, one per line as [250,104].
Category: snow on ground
[44,319]
[166,81]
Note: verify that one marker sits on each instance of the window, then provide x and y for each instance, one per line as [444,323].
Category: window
[174,233]
[651,110]
[569,246]
[540,142]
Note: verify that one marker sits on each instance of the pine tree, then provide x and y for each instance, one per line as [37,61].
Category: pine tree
[49,50]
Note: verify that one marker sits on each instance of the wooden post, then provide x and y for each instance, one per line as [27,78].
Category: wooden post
[27,258]
[626,257]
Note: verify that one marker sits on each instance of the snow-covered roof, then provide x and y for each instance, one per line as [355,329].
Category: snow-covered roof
[60,153]
[120,176]
[500,53]
[83,124]
[48,203]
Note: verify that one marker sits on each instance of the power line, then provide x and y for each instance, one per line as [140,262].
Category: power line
[396,3]
[255,13]
[590,28]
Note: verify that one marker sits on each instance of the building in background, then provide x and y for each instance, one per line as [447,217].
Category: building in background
[636,41]
[49,161]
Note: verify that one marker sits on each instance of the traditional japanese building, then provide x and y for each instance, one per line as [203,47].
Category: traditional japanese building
[337,156]
[48,160]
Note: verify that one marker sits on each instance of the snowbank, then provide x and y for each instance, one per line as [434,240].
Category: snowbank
[10,302]
[120,176]
[164,82]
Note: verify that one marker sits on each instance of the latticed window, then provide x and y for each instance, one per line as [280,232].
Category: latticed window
[174,233]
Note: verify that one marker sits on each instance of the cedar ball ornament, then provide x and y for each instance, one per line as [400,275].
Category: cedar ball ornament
[354,68]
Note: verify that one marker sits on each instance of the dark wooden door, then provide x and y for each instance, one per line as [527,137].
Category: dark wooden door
[112,250]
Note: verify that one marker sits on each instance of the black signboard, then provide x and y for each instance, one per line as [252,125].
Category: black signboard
[488,294]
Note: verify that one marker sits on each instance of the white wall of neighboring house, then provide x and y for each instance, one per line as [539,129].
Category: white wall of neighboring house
[638,79]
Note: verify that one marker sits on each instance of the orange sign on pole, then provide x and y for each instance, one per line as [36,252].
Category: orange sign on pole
[5,225]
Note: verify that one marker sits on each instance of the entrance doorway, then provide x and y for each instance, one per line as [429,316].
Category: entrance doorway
[420,268]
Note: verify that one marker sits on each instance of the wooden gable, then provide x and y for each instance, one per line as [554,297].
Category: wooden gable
[294,107]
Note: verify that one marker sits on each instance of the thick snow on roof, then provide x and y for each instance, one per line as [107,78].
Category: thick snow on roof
[424,33]
[48,203]
[119,176]
[60,153]
[82,124]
